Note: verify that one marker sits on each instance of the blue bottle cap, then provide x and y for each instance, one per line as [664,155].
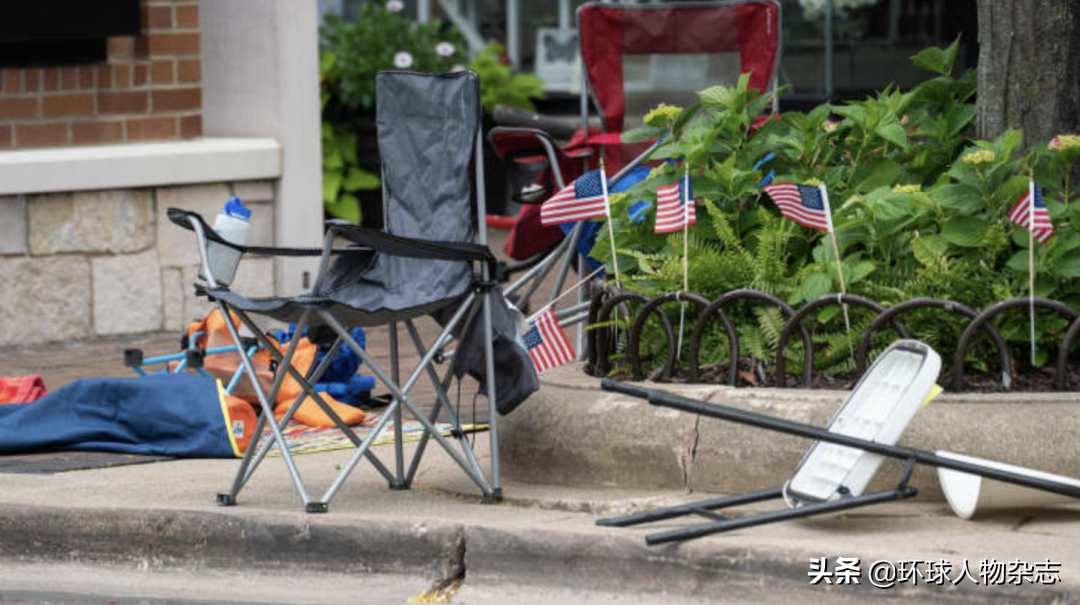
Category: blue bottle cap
[235,208]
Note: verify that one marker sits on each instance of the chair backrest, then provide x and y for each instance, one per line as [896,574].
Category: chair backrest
[880,407]
[428,127]
[636,56]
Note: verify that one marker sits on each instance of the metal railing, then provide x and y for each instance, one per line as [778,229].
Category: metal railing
[600,342]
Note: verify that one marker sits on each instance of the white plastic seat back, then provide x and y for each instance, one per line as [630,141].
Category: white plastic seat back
[880,407]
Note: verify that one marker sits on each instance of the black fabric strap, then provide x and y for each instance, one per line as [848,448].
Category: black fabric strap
[182,218]
[416,248]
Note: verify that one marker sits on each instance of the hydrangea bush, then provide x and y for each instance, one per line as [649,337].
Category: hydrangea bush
[920,210]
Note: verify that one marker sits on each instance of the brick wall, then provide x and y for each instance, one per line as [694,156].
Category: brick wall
[147,90]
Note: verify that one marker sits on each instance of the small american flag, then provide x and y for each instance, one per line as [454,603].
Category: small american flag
[805,204]
[547,343]
[581,200]
[1030,212]
[670,213]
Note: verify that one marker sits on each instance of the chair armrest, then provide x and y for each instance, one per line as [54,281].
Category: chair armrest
[183,218]
[408,247]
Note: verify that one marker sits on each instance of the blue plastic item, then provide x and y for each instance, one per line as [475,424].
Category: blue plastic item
[235,208]
[340,380]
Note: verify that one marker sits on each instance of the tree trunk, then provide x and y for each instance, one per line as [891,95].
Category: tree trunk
[1029,68]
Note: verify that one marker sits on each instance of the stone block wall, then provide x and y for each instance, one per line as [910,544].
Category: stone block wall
[79,265]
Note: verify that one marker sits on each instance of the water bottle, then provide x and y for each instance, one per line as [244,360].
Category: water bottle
[233,224]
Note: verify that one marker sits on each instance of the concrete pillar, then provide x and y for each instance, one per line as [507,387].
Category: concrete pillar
[261,79]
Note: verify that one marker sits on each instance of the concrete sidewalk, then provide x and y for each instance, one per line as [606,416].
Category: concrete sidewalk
[160,517]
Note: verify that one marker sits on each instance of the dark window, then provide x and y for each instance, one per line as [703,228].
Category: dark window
[62,32]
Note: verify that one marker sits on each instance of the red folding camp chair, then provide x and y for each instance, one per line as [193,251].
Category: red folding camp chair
[634,57]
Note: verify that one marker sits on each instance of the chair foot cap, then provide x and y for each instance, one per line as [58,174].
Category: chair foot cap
[494,497]
[225,500]
[316,507]
[399,486]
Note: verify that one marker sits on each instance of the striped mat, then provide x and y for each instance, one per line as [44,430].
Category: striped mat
[305,439]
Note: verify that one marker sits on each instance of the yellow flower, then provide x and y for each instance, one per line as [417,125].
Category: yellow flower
[657,171]
[662,115]
[1064,141]
[815,182]
[977,158]
[907,188]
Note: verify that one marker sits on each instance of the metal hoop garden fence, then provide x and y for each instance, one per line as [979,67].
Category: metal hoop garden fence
[607,303]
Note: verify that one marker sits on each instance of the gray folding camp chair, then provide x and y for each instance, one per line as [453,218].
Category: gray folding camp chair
[425,262]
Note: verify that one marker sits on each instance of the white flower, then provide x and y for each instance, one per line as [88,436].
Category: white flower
[403,60]
[444,49]
[457,68]
[395,6]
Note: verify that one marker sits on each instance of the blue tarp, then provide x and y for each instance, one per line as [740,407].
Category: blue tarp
[180,415]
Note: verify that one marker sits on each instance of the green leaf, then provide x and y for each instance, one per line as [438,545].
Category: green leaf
[929,250]
[717,96]
[936,59]
[882,173]
[855,113]
[360,180]
[888,208]
[963,198]
[816,285]
[327,60]
[1074,216]
[639,135]
[893,132]
[959,117]
[1068,266]
[348,208]
[965,231]
[331,185]
[1018,262]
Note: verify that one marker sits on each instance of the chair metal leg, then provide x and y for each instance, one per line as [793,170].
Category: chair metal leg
[492,396]
[399,445]
[360,451]
[705,529]
[309,390]
[242,474]
[264,400]
[245,475]
[399,392]
[441,401]
[694,508]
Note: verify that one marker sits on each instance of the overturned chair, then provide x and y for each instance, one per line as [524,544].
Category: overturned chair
[430,260]
[844,458]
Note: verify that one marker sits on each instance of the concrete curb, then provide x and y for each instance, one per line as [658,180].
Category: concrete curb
[573,433]
[191,539]
[585,561]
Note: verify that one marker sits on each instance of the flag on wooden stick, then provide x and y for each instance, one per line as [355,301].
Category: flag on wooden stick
[671,215]
[581,200]
[807,205]
[547,343]
[1030,213]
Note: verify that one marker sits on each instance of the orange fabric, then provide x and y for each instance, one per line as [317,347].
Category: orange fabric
[242,420]
[311,414]
[223,367]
